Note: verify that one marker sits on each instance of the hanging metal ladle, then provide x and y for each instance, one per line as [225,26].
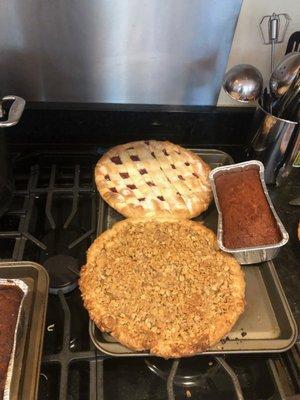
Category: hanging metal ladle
[243,83]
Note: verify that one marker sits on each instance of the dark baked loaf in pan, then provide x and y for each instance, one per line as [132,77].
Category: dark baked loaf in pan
[10,300]
[247,218]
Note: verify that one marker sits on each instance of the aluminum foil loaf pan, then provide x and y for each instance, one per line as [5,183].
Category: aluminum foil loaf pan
[18,330]
[248,255]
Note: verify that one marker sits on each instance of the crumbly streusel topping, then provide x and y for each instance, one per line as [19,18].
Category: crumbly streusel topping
[160,282]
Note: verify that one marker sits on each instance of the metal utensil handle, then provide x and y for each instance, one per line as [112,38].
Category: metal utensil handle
[274,31]
[273,36]
[15,111]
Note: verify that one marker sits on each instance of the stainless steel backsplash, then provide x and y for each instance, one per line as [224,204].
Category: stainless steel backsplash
[116,51]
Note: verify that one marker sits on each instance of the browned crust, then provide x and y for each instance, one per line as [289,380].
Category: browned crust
[124,205]
[136,335]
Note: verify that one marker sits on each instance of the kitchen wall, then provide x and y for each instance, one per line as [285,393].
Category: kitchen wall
[247,46]
[116,51]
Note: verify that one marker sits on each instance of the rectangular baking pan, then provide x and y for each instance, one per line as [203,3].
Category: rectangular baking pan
[30,334]
[21,322]
[267,324]
[249,255]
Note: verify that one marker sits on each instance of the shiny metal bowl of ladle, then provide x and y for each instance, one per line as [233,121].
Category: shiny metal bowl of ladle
[243,83]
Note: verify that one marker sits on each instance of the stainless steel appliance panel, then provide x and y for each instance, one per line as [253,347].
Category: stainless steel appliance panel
[116,51]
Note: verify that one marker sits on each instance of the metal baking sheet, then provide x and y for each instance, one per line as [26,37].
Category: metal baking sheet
[29,343]
[18,333]
[249,255]
[267,324]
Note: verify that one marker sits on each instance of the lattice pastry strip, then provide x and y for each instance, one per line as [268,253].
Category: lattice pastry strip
[145,195]
[178,181]
[160,184]
[187,181]
[125,184]
[151,177]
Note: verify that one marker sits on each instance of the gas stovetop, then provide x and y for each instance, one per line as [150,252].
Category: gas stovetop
[52,221]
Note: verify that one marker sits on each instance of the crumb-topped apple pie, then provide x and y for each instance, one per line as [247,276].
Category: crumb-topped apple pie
[162,285]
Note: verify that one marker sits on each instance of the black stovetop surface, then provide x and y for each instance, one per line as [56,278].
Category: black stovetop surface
[71,367]
[54,212]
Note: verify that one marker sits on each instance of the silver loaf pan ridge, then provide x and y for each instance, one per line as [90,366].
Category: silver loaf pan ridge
[21,285]
[248,255]
[23,377]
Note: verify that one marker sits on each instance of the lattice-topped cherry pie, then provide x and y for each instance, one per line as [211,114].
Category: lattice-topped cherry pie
[147,178]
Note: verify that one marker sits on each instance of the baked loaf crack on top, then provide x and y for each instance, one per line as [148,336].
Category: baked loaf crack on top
[146,178]
[162,285]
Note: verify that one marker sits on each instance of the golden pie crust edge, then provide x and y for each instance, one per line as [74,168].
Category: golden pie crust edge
[162,349]
[128,210]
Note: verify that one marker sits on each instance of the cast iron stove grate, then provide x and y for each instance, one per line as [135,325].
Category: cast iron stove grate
[52,221]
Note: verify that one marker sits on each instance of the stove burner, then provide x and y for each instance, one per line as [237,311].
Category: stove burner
[190,372]
[63,273]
